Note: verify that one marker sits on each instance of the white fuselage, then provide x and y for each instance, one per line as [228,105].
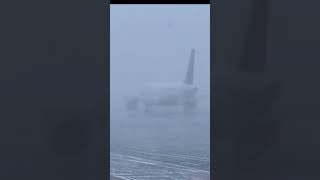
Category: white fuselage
[168,94]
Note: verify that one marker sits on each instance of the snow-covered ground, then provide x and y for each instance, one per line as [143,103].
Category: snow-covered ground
[161,146]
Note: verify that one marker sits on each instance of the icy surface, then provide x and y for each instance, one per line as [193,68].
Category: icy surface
[160,146]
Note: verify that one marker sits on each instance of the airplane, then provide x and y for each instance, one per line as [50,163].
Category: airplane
[168,94]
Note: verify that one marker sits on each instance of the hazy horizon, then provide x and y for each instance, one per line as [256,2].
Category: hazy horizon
[152,43]
[159,37]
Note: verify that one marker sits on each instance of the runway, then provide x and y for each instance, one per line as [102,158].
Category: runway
[167,146]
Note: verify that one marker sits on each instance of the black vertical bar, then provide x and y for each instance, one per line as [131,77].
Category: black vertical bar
[243,129]
[254,55]
[54,90]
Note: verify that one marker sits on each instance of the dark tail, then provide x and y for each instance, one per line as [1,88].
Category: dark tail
[189,76]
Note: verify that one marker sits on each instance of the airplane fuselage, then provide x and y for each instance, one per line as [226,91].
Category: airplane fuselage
[168,94]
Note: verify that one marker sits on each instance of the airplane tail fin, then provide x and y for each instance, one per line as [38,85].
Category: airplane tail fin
[189,75]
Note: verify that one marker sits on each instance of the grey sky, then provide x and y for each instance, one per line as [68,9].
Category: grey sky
[153,42]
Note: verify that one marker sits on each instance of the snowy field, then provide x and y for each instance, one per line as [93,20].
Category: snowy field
[163,145]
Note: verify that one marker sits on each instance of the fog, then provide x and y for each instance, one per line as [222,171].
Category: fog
[152,43]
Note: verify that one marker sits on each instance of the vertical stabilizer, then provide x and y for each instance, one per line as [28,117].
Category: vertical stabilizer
[189,75]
